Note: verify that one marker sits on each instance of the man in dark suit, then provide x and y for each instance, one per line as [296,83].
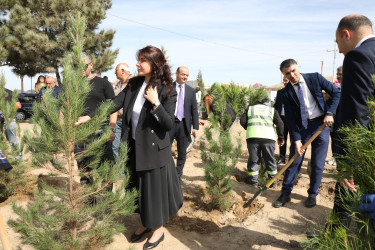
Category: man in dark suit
[305,111]
[186,114]
[355,39]
[279,106]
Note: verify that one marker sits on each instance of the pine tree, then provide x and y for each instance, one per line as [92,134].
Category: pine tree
[9,181]
[201,83]
[37,38]
[220,155]
[67,218]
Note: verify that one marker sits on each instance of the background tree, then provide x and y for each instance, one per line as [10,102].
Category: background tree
[37,38]
[201,83]
[66,217]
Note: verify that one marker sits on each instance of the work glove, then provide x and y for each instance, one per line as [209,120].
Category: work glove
[368,206]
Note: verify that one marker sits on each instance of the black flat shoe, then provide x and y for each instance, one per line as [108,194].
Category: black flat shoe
[310,202]
[281,201]
[136,237]
[149,245]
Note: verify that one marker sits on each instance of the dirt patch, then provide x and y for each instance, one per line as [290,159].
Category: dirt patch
[198,215]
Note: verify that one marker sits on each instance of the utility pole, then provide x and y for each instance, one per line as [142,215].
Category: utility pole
[322,68]
[334,60]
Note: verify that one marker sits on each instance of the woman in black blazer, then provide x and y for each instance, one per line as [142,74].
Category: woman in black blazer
[149,102]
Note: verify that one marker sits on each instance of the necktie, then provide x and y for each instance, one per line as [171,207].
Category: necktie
[302,107]
[180,107]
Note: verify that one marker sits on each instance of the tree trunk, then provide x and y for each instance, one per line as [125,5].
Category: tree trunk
[58,78]
[21,84]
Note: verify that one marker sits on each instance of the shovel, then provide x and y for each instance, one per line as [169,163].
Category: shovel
[291,160]
[4,236]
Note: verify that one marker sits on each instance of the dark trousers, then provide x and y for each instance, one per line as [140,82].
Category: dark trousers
[258,149]
[319,148]
[286,132]
[179,132]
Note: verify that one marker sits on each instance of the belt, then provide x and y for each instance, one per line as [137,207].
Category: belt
[177,120]
[316,118]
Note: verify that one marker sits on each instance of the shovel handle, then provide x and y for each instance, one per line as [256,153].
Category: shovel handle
[295,156]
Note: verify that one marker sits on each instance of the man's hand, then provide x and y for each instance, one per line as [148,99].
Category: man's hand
[299,151]
[280,143]
[195,132]
[328,120]
[349,183]
[82,119]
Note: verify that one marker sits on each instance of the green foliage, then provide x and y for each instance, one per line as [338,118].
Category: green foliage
[35,38]
[74,216]
[9,181]
[201,84]
[239,97]
[220,156]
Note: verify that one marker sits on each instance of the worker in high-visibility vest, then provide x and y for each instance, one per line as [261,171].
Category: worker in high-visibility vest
[259,120]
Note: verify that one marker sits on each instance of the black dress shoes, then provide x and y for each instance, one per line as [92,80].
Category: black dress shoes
[137,237]
[281,201]
[310,202]
[149,245]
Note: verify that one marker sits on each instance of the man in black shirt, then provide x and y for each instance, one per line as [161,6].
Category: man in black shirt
[101,91]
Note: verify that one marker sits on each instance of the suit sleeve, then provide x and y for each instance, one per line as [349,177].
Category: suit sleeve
[164,113]
[119,101]
[333,92]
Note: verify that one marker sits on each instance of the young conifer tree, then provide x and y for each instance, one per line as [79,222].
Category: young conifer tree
[359,164]
[219,154]
[12,179]
[65,218]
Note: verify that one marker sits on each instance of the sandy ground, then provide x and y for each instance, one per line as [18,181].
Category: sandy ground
[196,227]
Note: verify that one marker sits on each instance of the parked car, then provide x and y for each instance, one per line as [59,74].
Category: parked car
[26,111]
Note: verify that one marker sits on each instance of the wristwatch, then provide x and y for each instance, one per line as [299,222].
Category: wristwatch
[157,103]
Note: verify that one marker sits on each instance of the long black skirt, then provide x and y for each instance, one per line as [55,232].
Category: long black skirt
[159,190]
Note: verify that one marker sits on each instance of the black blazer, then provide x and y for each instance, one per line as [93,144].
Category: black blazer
[279,101]
[190,108]
[152,146]
[316,83]
[356,87]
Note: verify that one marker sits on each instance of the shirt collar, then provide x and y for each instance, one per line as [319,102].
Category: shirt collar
[364,39]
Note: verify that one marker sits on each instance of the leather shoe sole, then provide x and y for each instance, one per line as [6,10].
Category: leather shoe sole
[310,202]
[281,201]
[149,245]
[136,237]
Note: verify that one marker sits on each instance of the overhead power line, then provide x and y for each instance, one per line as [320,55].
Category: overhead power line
[194,38]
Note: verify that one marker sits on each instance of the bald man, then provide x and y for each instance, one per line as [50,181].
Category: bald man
[51,84]
[123,75]
[186,114]
[355,39]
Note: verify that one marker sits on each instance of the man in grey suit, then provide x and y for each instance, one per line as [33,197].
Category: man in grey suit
[186,114]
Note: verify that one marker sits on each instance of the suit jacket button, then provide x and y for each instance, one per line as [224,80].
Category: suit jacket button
[153,144]
[152,131]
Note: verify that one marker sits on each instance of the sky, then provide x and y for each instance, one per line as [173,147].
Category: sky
[243,41]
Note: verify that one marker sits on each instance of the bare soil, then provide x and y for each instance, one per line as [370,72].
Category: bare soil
[198,226]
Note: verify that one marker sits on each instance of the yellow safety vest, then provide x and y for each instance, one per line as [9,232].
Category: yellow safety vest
[260,122]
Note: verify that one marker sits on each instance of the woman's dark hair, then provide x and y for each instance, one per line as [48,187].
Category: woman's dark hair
[161,72]
[40,77]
